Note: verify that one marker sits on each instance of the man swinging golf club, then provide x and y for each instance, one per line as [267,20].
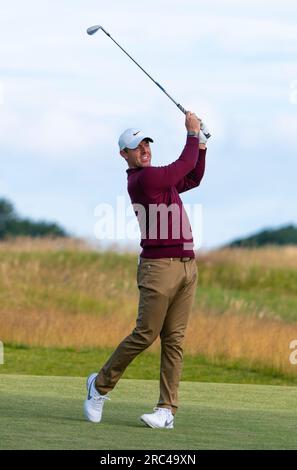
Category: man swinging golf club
[167,270]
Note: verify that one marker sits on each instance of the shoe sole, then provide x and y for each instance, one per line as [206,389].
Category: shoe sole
[88,382]
[152,426]
[146,424]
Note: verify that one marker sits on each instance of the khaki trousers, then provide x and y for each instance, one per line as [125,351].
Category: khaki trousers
[167,288]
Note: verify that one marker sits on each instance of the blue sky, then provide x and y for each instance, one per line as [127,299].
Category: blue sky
[65,97]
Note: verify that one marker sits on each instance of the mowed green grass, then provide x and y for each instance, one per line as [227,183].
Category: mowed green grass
[78,363]
[46,413]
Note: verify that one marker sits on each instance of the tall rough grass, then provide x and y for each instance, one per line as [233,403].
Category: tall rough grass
[268,256]
[62,293]
[259,342]
[28,244]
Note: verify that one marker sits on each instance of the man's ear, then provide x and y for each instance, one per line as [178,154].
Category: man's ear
[124,154]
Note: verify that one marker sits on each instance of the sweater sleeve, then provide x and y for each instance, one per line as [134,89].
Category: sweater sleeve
[194,177]
[161,178]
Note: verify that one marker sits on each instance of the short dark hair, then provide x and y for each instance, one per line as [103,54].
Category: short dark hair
[147,140]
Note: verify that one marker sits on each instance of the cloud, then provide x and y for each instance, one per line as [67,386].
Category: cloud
[47,118]
[287,126]
[54,39]
[1,93]
[54,133]
[67,95]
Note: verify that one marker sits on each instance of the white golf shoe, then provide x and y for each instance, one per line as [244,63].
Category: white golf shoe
[162,418]
[93,405]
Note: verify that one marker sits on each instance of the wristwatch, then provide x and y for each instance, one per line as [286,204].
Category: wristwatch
[194,134]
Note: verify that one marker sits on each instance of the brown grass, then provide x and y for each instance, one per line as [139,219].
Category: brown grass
[268,257]
[257,341]
[84,301]
[62,330]
[29,244]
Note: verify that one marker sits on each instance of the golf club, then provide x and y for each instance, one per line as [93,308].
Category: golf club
[94,29]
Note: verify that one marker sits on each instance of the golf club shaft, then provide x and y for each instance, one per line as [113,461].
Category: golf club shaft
[158,84]
[93,29]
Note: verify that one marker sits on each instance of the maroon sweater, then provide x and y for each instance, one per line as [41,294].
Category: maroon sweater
[166,233]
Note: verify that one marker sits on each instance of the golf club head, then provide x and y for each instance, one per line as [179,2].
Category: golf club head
[93,29]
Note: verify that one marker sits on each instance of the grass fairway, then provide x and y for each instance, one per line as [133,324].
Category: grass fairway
[46,413]
[67,362]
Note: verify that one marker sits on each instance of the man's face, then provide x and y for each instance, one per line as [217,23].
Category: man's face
[139,157]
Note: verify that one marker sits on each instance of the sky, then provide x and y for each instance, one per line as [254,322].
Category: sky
[65,97]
